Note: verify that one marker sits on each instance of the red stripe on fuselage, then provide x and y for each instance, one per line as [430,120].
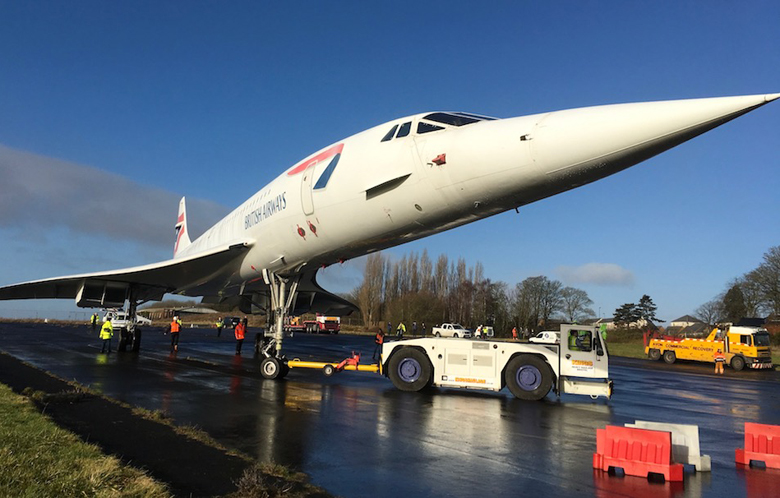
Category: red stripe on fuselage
[336,149]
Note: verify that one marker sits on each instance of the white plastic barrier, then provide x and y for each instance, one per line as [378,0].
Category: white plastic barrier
[685,443]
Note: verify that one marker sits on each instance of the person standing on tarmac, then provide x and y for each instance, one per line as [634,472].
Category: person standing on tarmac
[240,331]
[400,331]
[514,333]
[94,321]
[378,340]
[219,326]
[175,329]
[106,333]
[720,360]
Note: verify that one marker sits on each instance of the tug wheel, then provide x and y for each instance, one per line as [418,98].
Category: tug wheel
[528,377]
[409,369]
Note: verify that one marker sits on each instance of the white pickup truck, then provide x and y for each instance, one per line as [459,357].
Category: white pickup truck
[451,330]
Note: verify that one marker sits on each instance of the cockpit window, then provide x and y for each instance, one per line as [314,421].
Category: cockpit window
[423,127]
[456,119]
[390,134]
[405,129]
[475,116]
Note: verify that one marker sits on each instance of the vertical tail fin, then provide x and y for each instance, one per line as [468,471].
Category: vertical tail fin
[182,233]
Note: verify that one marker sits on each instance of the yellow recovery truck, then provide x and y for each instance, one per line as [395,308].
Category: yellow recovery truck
[746,346]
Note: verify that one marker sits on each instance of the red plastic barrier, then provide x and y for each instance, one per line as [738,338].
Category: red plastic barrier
[637,451]
[762,444]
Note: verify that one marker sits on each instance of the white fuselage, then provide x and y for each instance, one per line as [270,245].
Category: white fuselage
[393,183]
[384,193]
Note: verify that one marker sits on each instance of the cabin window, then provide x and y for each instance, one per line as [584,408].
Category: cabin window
[580,340]
[390,134]
[423,127]
[405,129]
[744,339]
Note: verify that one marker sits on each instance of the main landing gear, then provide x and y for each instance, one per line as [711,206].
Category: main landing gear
[274,364]
[130,336]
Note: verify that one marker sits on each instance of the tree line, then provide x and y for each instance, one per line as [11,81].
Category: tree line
[628,314]
[754,294]
[417,288]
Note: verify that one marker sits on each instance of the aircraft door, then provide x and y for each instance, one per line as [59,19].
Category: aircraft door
[426,152]
[583,353]
[307,198]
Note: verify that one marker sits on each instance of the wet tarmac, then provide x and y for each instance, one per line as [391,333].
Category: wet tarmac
[355,435]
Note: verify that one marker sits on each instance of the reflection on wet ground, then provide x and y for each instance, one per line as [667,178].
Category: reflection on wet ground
[355,435]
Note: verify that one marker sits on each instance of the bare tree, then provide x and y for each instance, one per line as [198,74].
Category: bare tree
[426,273]
[550,299]
[752,294]
[575,304]
[767,280]
[711,311]
[441,279]
[536,299]
[369,294]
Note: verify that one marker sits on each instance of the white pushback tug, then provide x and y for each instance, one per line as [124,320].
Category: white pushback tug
[577,364]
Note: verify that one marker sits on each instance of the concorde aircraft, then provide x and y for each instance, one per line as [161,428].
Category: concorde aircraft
[396,182]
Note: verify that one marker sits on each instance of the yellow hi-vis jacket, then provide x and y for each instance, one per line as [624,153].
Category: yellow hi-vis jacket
[107,331]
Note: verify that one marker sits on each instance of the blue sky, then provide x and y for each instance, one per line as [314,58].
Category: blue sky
[105,105]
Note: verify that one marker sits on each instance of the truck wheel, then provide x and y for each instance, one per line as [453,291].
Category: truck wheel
[455,335]
[437,334]
[409,369]
[271,368]
[528,377]
[328,370]
[669,357]
[737,363]
[654,354]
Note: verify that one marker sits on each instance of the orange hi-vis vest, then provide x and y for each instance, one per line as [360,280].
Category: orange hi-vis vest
[174,327]
[720,356]
[239,331]
[380,338]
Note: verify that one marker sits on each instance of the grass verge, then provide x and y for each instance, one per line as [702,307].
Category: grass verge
[628,349]
[39,459]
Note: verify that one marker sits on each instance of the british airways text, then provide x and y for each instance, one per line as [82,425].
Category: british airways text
[270,208]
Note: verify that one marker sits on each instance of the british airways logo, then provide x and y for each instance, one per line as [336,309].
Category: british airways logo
[333,153]
[270,208]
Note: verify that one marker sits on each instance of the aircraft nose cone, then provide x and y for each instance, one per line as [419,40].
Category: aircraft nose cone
[579,146]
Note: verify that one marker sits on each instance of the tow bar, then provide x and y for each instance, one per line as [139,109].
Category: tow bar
[328,368]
